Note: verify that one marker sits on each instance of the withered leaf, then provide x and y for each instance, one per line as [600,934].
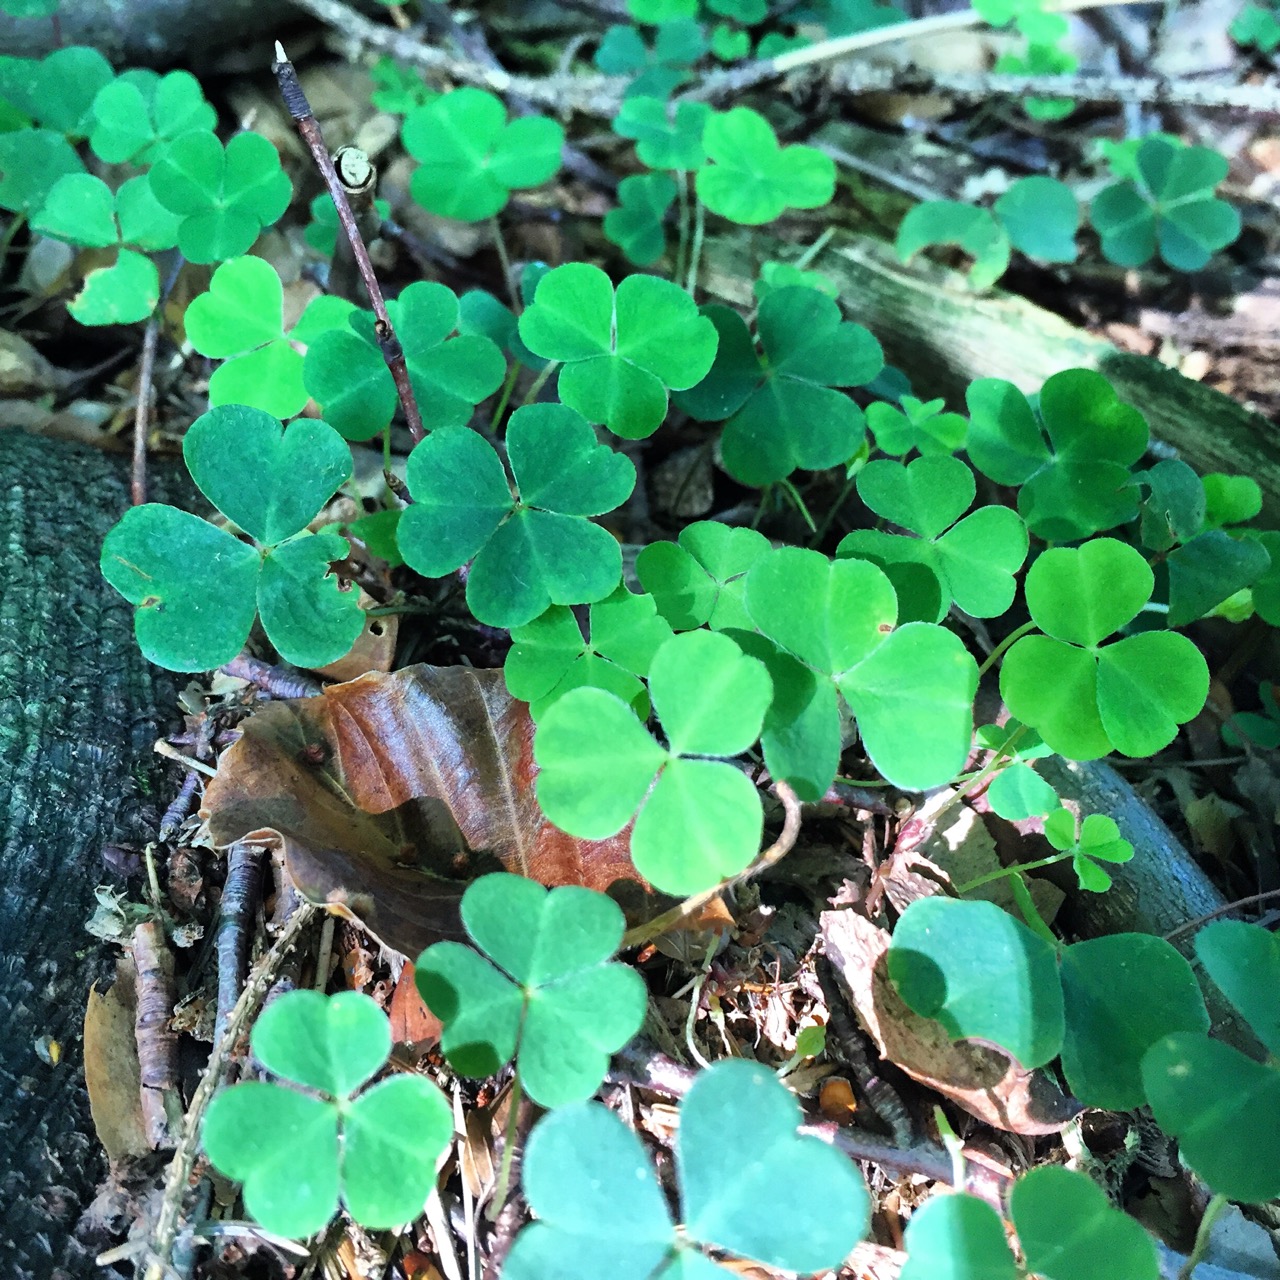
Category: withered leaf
[392,792]
[984,1081]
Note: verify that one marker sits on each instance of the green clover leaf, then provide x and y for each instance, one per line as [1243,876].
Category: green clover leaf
[1018,792]
[198,588]
[981,974]
[1085,698]
[785,275]
[600,1208]
[1257,24]
[1168,206]
[297,1154]
[621,352]
[225,196]
[471,157]
[535,550]
[322,231]
[653,12]
[1040,216]
[549,656]
[31,162]
[539,987]
[1122,993]
[1067,1228]
[702,819]
[781,405]
[1244,962]
[910,688]
[666,136]
[398,89]
[240,320]
[636,225]
[700,578]
[1043,57]
[81,209]
[916,424]
[1076,482]
[658,70]
[973,229]
[957,1237]
[751,179]
[1224,1110]
[58,90]
[481,314]
[451,372]
[140,112]
[974,560]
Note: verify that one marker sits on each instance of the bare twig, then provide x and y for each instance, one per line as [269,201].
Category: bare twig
[1251,901]
[176,814]
[142,412]
[163,748]
[157,1041]
[299,108]
[247,1006]
[772,855]
[277,681]
[593,95]
[359,180]
[146,376]
[240,897]
[1260,99]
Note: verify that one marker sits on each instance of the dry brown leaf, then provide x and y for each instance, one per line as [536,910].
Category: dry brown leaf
[412,1023]
[111,1070]
[390,793]
[984,1081]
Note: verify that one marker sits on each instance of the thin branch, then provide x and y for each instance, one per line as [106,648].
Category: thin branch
[770,857]
[146,378]
[279,682]
[1260,99]
[180,808]
[255,992]
[1252,901]
[157,1041]
[240,895]
[593,95]
[299,108]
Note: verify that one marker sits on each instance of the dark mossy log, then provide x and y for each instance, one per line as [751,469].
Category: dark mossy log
[79,713]
[943,334]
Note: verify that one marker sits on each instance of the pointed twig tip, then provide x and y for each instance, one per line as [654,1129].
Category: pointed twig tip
[281,56]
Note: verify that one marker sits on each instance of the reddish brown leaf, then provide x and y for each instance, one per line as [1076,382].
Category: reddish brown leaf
[412,1023]
[984,1081]
[390,793]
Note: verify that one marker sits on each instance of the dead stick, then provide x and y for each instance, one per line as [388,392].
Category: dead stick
[184,1158]
[277,681]
[240,896]
[309,130]
[142,413]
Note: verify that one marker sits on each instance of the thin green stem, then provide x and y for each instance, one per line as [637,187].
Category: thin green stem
[998,652]
[504,399]
[1015,870]
[955,1148]
[1203,1233]
[821,531]
[814,249]
[1031,914]
[508,1150]
[794,494]
[508,274]
[539,382]
[695,254]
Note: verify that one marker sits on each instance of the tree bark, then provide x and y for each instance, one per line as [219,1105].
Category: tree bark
[79,712]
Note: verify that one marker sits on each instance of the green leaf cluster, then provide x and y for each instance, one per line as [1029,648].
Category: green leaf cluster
[601,1211]
[198,587]
[298,1154]
[538,987]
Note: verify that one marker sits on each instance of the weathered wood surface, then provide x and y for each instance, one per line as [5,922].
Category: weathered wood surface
[944,334]
[79,712]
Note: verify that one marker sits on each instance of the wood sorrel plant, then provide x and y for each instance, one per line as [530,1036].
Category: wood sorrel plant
[723,648]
